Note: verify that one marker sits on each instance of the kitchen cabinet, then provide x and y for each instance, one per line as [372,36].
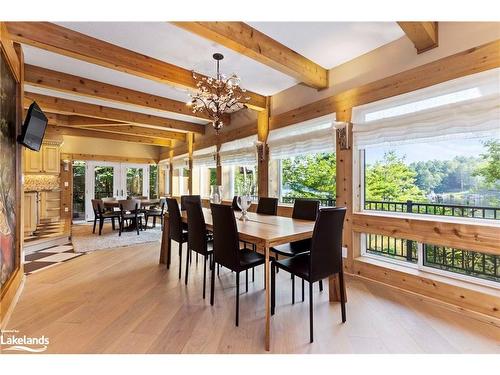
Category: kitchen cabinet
[50,205]
[30,212]
[47,160]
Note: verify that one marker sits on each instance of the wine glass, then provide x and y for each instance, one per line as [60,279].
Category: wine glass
[244,202]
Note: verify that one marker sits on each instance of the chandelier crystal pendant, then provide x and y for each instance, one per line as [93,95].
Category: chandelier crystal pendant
[217,96]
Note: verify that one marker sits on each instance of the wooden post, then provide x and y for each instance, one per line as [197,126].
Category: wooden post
[344,199]
[263,154]
[190,140]
[218,171]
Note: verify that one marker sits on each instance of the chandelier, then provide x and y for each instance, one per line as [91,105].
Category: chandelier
[217,96]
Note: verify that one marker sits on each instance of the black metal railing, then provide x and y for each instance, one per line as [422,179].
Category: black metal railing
[392,247]
[442,209]
[455,260]
[323,202]
[465,262]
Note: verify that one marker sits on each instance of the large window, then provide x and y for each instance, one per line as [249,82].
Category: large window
[435,152]
[303,161]
[204,171]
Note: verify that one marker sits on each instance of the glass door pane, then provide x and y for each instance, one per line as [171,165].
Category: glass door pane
[135,181]
[103,179]
[78,190]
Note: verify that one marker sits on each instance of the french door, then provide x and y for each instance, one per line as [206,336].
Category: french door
[119,180]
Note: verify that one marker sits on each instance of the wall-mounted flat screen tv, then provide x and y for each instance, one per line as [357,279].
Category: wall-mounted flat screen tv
[33,128]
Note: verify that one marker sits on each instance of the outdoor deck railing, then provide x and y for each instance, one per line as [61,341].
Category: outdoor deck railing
[460,261]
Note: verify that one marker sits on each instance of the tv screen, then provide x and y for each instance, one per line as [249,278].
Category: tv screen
[33,128]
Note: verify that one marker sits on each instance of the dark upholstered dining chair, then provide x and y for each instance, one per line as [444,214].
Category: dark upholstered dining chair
[130,210]
[199,240]
[323,260]
[267,206]
[156,212]
[101,215]
[227,251]
[189,198]
[177,232]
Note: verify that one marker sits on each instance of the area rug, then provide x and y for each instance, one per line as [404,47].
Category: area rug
[87,241]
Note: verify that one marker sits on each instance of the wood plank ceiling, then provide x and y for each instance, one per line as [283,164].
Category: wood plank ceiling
[68,116]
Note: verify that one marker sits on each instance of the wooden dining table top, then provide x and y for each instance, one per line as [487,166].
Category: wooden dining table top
[265,229]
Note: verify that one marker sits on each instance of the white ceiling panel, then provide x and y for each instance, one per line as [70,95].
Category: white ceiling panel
[331,43]
[171,44]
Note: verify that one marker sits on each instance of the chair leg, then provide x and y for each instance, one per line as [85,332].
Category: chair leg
[237,299]
[180,259]
[212,281]
[169,255]
[311,338]
[187,271]
[154,222]
[253,274]
[101,224]
[120,227]
[146,218]
[196,258]
[342,295]
[95,222]
[303,290]
[137,224]
[113,223]
[293,289]
[321,285]
[246,280]
[277,268]
[205,275]
[273,288]
[217,269]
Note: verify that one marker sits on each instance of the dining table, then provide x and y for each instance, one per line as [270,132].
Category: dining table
[265,231]
[144,202]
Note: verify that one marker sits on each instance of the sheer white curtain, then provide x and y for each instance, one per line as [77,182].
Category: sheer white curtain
[239,152]
[467,107]
[309,137]
[205,157]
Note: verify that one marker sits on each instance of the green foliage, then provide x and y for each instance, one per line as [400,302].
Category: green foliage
[213,176]
[310,175]
[153,181]
[490,166]
[392,180]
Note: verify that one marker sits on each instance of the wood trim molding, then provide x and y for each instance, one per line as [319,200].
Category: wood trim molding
[72,107]
[51,79]
[110,158]
[63,130]
[424,35]
[246,40]
[459,296]
[58,39]
[139,131]
[462,234]
[7,47]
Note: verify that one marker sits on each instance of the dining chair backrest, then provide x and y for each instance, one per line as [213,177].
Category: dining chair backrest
[267,206]
[197,239]
[226,239]
[174,220]
[189,198]
[163,203]
[129,205]
[326,244]
[97,206]
[234,205]
[305,209]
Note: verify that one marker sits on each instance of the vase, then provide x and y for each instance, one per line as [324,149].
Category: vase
[216,194]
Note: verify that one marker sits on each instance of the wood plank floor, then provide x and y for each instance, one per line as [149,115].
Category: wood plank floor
[122,301]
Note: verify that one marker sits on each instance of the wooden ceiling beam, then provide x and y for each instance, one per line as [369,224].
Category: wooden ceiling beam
[58,39]
[250,42]
[53,80]
[64,130]
[141,131]
[424,35]
[71,107]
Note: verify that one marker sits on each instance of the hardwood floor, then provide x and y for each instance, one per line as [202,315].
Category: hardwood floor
[123,301]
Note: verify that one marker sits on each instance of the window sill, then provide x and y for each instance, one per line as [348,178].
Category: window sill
[429,218]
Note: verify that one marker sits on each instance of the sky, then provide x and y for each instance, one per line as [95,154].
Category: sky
[441,150]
